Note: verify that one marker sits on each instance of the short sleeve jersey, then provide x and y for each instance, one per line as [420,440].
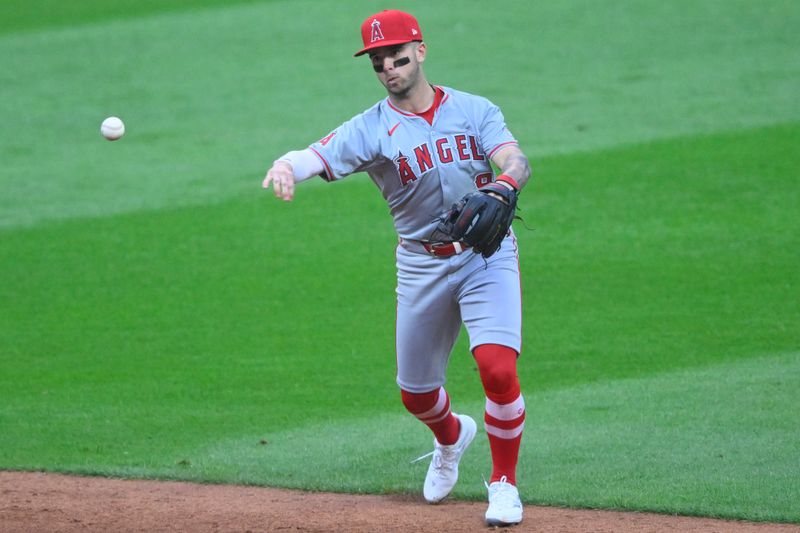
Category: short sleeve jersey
[420,168]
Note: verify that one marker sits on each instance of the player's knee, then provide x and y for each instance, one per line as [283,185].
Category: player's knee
[497,366]
[419,403]
[498,380]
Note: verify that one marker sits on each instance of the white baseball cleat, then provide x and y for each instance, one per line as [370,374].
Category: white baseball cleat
[505,508]
[443,471]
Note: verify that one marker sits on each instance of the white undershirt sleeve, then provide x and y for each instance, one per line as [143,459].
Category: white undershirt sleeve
[305,164]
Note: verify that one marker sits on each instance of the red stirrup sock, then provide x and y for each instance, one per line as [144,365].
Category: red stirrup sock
[505,408]
[433,408]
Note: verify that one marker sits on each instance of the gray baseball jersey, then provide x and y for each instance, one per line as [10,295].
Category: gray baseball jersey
[421,168]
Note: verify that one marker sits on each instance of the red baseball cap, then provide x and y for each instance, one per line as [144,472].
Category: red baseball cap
[387,28]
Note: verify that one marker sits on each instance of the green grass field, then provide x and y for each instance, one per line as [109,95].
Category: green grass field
[163,317]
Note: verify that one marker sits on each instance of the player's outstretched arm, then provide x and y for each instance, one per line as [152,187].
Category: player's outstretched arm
[290,168]
[512,162]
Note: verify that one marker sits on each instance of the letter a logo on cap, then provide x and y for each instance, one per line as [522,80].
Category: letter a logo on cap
[377,34]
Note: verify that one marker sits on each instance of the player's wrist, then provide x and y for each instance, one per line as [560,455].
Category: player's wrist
[303,164]
[285,163]
[508,181]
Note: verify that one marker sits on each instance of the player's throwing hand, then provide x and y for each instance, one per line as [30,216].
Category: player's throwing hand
[282,179]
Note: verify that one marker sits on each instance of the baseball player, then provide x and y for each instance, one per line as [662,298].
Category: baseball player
[426,147]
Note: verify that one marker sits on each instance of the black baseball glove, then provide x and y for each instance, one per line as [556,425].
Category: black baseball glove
[481,218]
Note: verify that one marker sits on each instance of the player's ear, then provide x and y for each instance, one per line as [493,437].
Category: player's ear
[420,50]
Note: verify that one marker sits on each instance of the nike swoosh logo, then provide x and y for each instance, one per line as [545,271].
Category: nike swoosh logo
[393,128]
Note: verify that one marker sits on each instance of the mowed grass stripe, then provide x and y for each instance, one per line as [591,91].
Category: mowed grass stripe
[131,342]
[712,442]
[718,441]
[666,254]
[29,15]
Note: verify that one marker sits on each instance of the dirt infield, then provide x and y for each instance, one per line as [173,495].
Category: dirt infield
[51,502]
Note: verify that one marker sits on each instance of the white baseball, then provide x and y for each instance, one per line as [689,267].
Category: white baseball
[112,128]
